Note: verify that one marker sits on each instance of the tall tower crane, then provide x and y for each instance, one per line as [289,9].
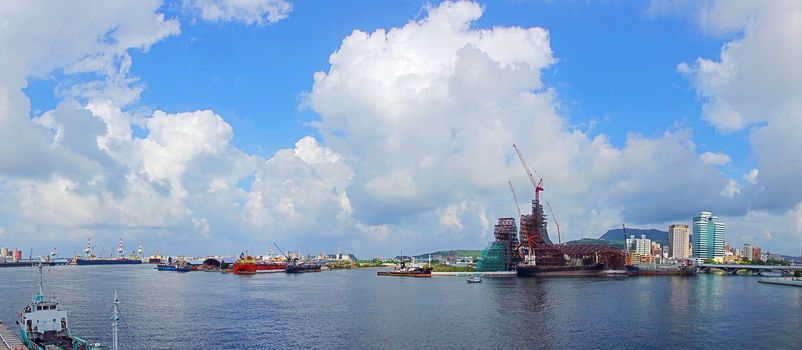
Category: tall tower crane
[559,239]
[515,198]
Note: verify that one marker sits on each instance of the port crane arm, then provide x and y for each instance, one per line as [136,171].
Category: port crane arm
[529,172]
[559,239]
[282,252]
[515,198]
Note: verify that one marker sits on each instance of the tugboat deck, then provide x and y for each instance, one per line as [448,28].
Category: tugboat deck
[9,340]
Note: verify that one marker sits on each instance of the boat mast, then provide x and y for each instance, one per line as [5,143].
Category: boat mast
[41,280]
[115,318]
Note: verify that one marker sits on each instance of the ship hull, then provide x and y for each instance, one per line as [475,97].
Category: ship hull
[403,274]
[302,269]
[250,269]
[560,271]
[107,262]
[640,271]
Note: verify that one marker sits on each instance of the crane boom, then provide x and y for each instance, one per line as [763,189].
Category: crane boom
[515,198]
[526,166]
[282,252]
[559,239]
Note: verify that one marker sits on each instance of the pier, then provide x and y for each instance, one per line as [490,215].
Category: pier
[9,340]
[782,281]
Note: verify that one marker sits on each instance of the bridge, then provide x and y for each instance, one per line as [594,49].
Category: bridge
[754,269]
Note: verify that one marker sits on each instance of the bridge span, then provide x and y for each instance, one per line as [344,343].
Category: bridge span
[754,269]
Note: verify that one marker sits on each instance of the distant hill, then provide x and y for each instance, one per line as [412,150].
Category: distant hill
[618,234]
[456,252]
[615,244]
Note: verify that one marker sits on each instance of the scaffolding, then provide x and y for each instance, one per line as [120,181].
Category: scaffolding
[493,257]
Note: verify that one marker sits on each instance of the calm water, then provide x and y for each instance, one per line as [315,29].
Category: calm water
[357,309]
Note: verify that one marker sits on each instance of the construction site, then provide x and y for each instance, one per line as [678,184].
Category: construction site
[530,251]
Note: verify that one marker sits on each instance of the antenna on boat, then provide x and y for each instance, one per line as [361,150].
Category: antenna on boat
[115,318]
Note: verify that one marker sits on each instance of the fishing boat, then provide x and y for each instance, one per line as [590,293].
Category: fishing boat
[474,279]
[43,325]
[402,270]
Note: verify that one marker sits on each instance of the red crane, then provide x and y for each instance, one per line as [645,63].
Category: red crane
[529,172]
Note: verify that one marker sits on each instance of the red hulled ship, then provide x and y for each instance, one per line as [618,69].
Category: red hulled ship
[246,265]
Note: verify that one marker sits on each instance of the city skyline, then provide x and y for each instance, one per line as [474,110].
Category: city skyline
[218,126]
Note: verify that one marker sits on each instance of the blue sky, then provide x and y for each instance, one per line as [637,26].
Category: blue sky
[606,91]
[616,66]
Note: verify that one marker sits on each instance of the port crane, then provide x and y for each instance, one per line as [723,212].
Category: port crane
[534,233]
[282,252]
[515,198]
[559,238]
[529,172]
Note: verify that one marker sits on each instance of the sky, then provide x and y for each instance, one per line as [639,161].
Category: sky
[218,126]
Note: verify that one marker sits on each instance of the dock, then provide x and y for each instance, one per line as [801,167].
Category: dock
[9,340]
[782,281]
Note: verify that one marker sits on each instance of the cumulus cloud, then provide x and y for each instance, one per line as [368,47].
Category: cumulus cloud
[259,12]
[755,83]
[426,114]
[715,158]
[754,86]
[415,126]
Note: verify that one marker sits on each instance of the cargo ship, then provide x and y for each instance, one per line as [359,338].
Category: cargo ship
[44,326]
[246,265]
[107,261]
[661,270]
[91,259]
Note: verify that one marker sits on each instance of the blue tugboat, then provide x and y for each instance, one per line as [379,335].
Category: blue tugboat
[44,326]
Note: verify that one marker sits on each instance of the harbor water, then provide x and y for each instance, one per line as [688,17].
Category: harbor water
[357,309]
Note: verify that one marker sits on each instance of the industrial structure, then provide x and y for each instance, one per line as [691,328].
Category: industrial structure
[530,247]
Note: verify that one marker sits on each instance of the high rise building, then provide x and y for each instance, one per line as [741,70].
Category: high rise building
[678,242]
[641,246]
[747,251]
[756,253]
[708,237]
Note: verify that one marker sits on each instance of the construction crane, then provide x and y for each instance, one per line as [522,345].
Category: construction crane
[515,198]
[559,239]
[529,172]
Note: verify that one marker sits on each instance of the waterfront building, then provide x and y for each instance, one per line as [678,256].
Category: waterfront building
[4,253]
[642,246]
[678,241]
[756,253]
[747,251]
[708,237]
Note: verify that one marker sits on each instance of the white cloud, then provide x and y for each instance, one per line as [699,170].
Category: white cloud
[751,176]
[754,85]
[258,12]
[756,82]
[715,158]
[425,115]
